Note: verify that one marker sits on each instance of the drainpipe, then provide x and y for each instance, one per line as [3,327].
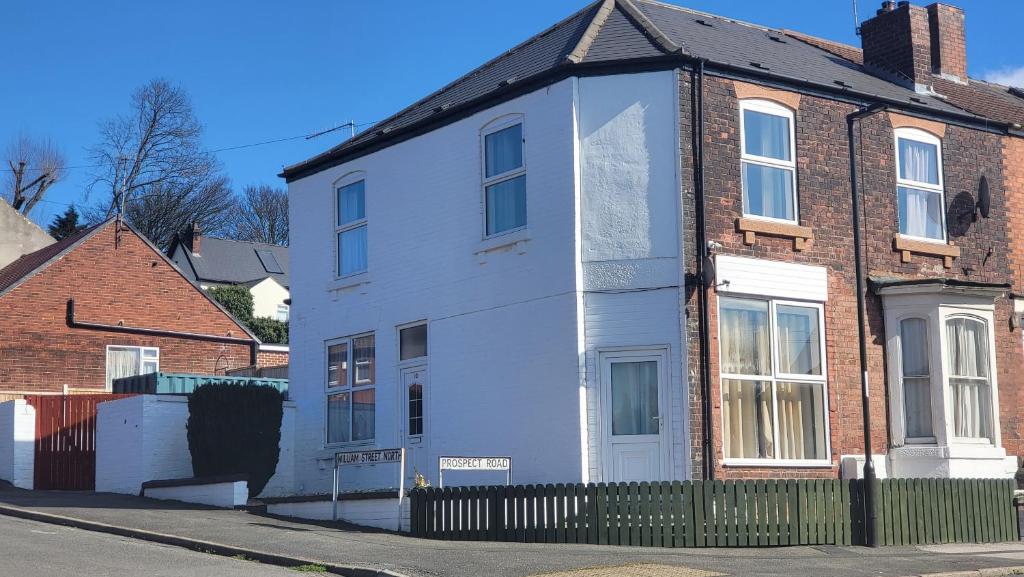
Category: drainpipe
[702,257]
[871,536]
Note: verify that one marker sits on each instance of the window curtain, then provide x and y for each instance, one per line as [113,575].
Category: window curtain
[506,205]
[769,191]
[921,213]
[766,135]
[967,342]
[747,428]
[799,341]
[801,421]
[504,150]
[745,339]
[635,398]
[919,161]
[917,401]
[122,363]
[352,251]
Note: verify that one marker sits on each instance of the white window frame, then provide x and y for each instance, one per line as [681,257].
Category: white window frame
[918,135]
[775,377]
[143,359]
[497,125]
[350,386]
[773,109]
[283,308]
[929,440]
[936,309]
[349,179]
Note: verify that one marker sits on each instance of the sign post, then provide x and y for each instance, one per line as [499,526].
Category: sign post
[474,464]
[370,457]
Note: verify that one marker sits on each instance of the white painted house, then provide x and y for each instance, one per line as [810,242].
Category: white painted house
[505,284]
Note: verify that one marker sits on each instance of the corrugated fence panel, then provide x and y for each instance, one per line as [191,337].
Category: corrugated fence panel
[760,513]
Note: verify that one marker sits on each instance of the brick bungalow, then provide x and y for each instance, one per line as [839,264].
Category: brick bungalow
[104,303]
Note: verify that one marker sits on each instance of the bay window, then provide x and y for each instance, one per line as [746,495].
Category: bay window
[919,185]
[916,377]
[350,228]
[773,381]
[967,355]
[351,399]
[504,174]
[768,160]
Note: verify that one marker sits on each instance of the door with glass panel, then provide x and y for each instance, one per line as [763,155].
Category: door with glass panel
[635,424]
[414,385]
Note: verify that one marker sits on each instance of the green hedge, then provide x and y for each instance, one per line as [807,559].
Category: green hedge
[235,429]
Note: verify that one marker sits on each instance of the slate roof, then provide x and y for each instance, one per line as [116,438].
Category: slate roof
[28,264]
[611,32]
[230,261]
[993,101]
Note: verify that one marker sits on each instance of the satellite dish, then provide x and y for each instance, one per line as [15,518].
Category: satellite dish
[984,198]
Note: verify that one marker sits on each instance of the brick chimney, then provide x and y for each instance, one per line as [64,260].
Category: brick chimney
[908,44]
[948,40]
[193,238]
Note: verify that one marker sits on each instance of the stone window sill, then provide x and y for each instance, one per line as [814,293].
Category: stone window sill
[514,241]
[751,227]
[908,246]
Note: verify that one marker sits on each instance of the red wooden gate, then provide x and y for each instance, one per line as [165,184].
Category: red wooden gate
[66,440]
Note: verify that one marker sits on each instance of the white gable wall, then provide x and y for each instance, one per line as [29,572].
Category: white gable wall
[503,355]
[266,295]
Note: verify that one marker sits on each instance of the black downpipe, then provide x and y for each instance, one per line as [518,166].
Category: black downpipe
[701,286]
[871,535]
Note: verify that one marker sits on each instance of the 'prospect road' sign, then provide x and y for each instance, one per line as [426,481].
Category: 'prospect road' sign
[474,464]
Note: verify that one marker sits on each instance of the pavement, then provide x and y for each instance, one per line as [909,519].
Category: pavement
[32,549]
[360,552]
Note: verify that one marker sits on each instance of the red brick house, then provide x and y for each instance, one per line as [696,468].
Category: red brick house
[106,303]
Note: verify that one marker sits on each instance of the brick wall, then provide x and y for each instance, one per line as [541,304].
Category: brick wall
[1011,360]
[130,285]
[825,206]
[271,358]
[948,40]
[899,41]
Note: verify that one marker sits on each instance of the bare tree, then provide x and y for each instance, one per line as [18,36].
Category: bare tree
[35,165]
[262,215]
[150,161]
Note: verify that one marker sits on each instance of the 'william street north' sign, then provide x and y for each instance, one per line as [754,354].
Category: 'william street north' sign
[372,457]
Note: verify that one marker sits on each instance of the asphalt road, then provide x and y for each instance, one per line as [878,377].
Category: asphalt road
[31,549]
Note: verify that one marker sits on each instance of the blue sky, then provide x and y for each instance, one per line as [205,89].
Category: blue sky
[266,69]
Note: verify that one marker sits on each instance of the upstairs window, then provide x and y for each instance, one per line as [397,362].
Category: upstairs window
[919,185]
[504,178]
[768,160]
[350,228]
[131,361]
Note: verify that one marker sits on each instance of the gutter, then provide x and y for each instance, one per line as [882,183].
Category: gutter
[708,462]
[74,323]
[669,61]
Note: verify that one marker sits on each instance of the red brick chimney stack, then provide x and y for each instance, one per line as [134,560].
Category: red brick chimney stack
[195,238]
[909,43]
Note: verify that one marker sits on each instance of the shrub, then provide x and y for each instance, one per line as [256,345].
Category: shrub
[268,330]
[236,298]
[235,429]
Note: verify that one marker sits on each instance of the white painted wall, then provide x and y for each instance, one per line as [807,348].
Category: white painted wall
[380,513]
[228,495]
[17,443]
[630,229]
[266,295]
[504,360]
[144,438]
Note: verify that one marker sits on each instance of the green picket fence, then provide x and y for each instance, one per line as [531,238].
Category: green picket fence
[759,513]
[921,511]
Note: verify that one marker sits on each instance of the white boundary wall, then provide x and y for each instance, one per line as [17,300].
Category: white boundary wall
[229,494]
[380,513]
[144,438]
[17,443]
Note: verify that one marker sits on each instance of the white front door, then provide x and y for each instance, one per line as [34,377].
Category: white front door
[635,421]
[414,401]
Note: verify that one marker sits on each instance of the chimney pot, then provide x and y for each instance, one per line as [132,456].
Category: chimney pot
[887,6]
[903,3]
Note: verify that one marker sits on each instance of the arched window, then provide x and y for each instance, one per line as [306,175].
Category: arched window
[768,159]
[970,377]
[919,185]
[504,175]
